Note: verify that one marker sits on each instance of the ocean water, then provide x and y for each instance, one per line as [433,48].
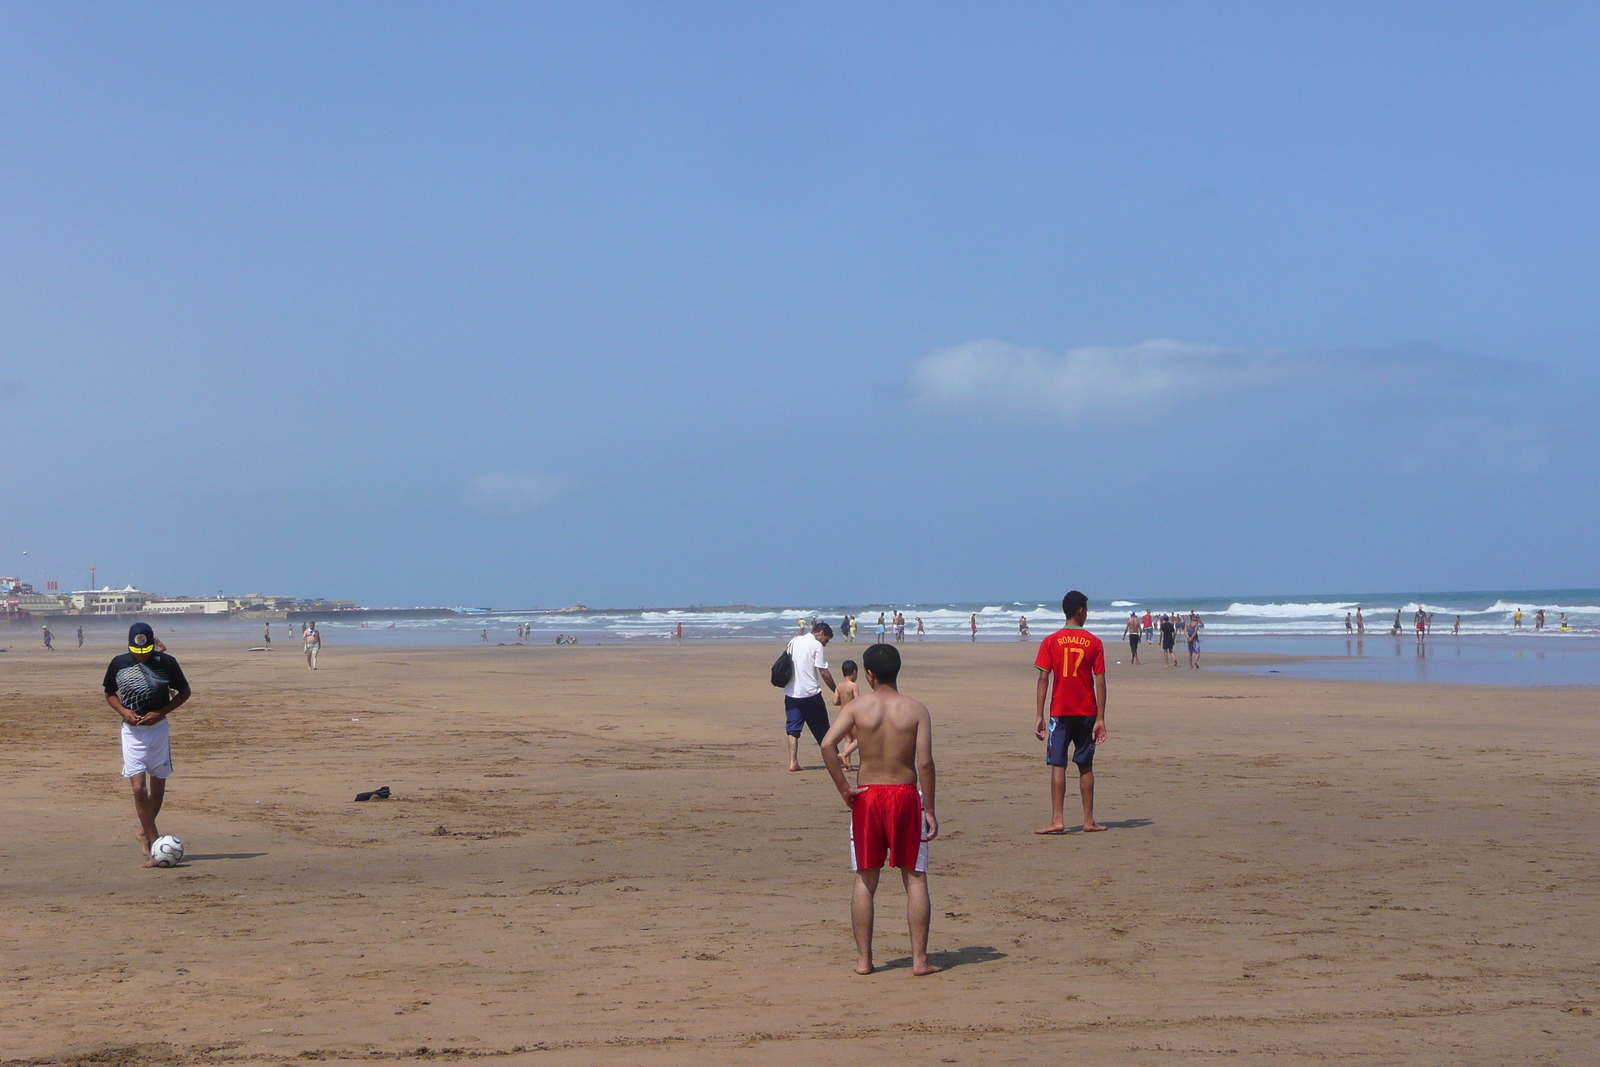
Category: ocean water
[1490,648]
[1481,613]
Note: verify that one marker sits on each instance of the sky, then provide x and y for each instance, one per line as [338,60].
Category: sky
[528,305]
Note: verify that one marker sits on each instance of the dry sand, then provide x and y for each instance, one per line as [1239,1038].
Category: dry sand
[594,855]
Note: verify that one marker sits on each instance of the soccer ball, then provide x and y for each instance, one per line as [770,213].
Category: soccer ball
[167,851]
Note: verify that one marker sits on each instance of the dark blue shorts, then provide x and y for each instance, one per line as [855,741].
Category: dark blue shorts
[806,711]
[1078,730]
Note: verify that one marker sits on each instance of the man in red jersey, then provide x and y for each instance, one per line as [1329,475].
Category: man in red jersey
[1076,659]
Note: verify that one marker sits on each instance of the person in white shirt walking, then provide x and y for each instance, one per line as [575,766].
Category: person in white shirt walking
[803,705]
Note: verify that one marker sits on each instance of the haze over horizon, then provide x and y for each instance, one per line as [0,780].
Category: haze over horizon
[415,304]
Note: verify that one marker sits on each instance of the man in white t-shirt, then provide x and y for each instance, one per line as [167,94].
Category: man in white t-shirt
[803,704]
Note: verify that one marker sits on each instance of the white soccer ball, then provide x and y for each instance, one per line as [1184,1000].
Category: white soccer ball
[167,851]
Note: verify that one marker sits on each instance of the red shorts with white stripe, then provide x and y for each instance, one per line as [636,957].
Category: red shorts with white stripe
[886,823]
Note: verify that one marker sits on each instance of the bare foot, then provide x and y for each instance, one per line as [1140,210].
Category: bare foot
[144,843]
[150,863]
[924,968]
[1053,828]
[863,968]
[1093,828]
[796,767]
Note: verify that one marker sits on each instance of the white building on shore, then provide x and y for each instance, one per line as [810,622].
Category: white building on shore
[108,601]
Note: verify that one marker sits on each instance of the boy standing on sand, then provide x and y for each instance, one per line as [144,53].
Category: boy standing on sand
[140,685]
[891,806]
[843,695]
[1076,660]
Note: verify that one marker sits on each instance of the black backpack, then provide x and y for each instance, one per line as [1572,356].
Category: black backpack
[783,669]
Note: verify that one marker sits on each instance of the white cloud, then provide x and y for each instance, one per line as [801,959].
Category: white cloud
[1408,380]
[513,488]
[994,374]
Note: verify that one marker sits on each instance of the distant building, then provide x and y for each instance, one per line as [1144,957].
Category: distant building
[108,601]
[36,604]
[210,606]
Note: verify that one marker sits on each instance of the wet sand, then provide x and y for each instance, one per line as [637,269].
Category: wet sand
[595,855]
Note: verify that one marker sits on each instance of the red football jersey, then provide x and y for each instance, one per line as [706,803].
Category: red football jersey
[1074,656]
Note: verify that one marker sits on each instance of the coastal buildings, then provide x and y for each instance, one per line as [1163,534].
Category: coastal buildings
[19,600]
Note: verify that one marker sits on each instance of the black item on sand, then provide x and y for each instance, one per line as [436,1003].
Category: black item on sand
[381,793]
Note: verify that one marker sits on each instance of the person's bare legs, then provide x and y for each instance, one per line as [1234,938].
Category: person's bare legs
[861,918]
[1086,791]
[1058,801]
[919,912]
[148,793]
[844,752]
[794,752]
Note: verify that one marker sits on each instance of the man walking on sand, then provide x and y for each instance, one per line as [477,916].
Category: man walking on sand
[311,643]
[1076,660]
[891,805]
[803,706]
[144,686]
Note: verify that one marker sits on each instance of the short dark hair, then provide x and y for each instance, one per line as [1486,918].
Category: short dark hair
[883,661]
[847,668]
[1073,603]
[822,628]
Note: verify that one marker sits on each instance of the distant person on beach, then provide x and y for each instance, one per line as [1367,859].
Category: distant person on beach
[1132,632]
[1022,627]
[899,627]
[1149,628]
[1192,633]
[1430,624]
[1361,623]
[1396,629]
[973,621]
[802,698]
[1538,619]
[883,629]
[80,634]
[1349,623]
[49,639]
[921,630]
[143,686]
[843,695]
[311,643]
[266,634]
[1169,641]
[1072,678]
[1565,626]
[892,803]
[1516,619]
[1457,630]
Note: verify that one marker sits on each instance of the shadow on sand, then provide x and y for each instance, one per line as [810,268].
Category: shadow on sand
[950,960]
[222,856]
[1114,824]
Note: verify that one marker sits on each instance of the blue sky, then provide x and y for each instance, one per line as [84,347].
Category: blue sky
[521,305]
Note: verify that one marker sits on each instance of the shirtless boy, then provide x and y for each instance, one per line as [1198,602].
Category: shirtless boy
[143,686]
[1076,660]
[843,695]
[891,806]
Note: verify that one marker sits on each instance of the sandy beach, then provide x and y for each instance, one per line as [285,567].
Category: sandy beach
[595,855]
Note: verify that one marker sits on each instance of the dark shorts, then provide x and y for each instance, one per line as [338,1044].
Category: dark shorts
[1133,642]
[1167,644]
[1078,730]
[802,712]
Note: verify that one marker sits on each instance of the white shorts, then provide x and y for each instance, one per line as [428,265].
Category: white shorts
[147,748]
